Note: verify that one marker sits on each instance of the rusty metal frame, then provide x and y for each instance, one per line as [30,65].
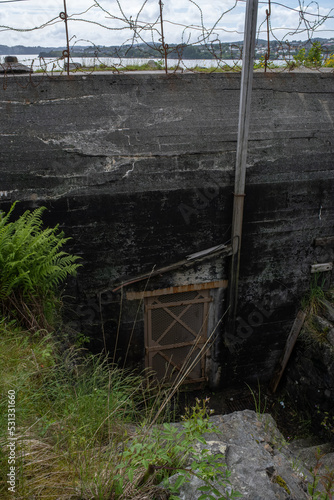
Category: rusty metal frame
[153,347]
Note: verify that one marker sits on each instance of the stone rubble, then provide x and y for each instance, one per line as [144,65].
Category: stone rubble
[263,465]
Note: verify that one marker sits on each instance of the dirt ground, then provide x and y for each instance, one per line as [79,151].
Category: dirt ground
[291,421]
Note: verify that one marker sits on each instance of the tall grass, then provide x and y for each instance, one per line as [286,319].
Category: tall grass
[72,413]
[312,302]
[84,428]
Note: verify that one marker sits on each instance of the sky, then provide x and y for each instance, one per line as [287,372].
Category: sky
[112,22]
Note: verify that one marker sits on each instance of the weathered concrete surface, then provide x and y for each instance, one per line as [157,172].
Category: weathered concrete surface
[139,170]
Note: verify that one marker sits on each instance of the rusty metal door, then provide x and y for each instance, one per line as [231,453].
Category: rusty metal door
[175,332]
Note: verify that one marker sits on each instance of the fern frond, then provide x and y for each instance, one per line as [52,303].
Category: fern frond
[32,264]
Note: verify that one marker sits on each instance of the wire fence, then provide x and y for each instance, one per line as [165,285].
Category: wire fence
[153,35]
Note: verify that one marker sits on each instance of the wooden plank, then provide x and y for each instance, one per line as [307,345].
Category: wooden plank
[181,303]
[177,289]
[203,253]
[290,343]
[323,242]
[198,343]
[321,268]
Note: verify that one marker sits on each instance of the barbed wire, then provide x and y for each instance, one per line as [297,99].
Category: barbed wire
[10,1]
[148,33]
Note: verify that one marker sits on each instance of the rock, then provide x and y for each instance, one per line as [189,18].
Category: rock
[328,310]
[152,64]
[322,324]
[261,464]
[11,65]
[330,336]
[327,463]
[11,59]
[72,66]
[189,491]
[310,375]
[308,456]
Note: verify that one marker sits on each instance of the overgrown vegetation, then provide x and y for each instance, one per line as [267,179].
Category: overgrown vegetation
[83,428]
[313,58]
[32,266]
[72,425]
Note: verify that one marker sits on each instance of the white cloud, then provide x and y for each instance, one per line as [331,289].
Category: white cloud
[179,15]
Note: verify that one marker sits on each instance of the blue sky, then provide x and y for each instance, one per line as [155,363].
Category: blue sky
[108,22]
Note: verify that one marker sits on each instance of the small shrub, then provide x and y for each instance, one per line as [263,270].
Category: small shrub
[312,59]
[152,457]
[329,63]
[300,57]
[314,56]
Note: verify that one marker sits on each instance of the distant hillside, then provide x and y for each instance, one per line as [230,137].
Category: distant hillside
[184,51]
[17,50]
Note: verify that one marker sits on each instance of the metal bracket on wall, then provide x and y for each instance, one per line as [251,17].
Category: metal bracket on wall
[321,268]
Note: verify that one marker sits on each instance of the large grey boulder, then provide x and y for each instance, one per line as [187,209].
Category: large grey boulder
[263,466]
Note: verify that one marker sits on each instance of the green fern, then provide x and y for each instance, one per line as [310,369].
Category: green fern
[32,266]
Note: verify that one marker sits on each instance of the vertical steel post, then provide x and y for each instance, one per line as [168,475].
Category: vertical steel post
[240,169]
[163,44]
[66,53]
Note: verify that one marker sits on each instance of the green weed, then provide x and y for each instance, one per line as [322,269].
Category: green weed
[166,450]
[322,485]
[260,406]
[312,301]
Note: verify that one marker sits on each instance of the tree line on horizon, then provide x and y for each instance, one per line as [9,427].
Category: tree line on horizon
[224,50]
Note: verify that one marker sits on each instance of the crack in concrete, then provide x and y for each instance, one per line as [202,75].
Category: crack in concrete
[129,171]
[62,99]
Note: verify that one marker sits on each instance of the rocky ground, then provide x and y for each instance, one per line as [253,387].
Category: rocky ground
[279,446]
[263,465]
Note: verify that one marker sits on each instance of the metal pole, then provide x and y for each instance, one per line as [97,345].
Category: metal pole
[66,53]
[240,169]
[163,44]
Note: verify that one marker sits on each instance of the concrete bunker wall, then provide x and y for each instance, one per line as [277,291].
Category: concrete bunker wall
[139,170]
